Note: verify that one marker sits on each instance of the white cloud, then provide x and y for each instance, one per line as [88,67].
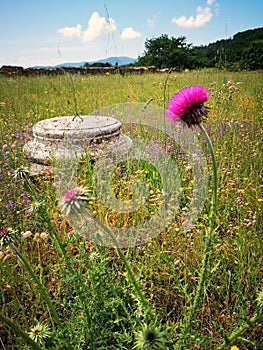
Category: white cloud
[98,27]
[203,15]
[209,2]
[129,33]
[71,32]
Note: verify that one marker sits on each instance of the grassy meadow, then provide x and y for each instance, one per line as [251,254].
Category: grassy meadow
[65,292]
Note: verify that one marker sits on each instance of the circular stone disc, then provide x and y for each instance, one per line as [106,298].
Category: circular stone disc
[77,128]
[66,136]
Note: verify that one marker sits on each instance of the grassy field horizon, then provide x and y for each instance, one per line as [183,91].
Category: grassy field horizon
[95,305]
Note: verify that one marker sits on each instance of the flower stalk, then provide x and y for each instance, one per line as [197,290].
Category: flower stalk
[72,203]
[131,276]
[41,287]
[80,283]
[215,180]
[238,331]
[208,240]
[188,105]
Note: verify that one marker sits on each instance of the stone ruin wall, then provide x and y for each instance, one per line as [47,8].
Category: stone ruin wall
[20,71]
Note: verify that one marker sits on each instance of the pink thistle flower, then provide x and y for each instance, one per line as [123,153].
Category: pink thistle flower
[7,236]
[73,200]
[3,231]
[188,105]
[70,194]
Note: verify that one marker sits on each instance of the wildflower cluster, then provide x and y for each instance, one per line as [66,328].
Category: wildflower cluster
[81,267]
[37,237]
[250,220]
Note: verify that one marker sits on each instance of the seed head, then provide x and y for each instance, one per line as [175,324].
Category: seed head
[40,333]
[20,173]
[150,338]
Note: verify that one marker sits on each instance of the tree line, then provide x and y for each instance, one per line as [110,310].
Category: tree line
[243,51]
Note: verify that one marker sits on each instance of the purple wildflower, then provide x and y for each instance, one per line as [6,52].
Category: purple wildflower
[188,105]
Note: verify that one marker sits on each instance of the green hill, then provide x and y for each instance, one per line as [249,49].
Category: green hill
[244,50]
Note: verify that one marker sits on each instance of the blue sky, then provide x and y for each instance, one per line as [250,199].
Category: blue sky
[50,32]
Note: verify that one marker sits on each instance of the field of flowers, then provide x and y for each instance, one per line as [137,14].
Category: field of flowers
[62,291]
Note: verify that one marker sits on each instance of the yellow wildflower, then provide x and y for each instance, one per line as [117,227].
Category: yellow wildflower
[234,348]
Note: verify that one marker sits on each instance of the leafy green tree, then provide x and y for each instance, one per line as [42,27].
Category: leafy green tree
[252,56]
[97,64]
[165,52]
[232,53]
[196,59]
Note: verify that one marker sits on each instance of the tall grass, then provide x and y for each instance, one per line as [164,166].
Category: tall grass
[89,289]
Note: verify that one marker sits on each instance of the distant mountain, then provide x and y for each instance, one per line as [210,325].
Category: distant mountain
[122,61]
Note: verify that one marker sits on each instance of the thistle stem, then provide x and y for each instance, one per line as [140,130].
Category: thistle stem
[131,275]
[19,332]
[208,241]
[237,332]
[41,288]
[70,268]
[58,241]
[215,180]
[61,246]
